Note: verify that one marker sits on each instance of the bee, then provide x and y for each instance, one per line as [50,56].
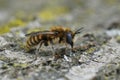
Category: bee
[63,34]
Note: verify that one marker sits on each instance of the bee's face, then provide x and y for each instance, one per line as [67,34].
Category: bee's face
[69,39]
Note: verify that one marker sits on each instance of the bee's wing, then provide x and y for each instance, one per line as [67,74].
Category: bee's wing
[40,32]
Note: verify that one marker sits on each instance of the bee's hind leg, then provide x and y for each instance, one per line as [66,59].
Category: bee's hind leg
[37,49]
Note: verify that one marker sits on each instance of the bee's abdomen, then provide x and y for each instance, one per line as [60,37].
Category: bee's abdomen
[33,40]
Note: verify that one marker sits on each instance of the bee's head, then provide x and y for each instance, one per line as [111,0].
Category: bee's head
[70,36]
[69,39]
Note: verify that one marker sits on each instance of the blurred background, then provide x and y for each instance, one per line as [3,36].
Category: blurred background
[87,13]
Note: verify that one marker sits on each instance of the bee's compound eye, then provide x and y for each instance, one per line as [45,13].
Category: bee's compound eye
[69,39]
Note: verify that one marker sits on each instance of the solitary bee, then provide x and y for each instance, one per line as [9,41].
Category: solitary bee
[63,34]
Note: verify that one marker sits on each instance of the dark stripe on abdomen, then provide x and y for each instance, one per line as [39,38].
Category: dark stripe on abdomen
[33,40]
[36,39]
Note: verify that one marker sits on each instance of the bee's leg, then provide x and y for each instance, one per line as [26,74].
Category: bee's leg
[51,42]
[37,49]
[66,47]
[65,43]
[53,49]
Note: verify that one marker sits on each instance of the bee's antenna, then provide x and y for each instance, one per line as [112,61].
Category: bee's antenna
[78,31]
